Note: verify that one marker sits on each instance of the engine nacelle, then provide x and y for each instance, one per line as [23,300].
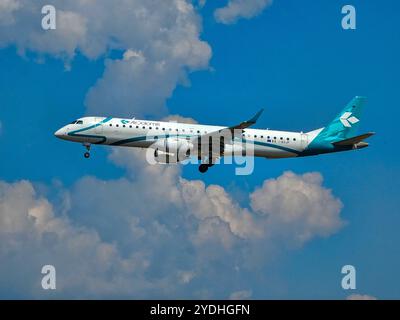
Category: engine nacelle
[172,150]
[164,157]
[234,150]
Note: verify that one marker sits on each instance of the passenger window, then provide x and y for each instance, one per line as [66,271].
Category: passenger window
[117,125]
[110,124]
[130,127]
[144,127]
[149,128]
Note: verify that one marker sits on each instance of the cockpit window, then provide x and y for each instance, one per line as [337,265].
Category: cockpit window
[77,122]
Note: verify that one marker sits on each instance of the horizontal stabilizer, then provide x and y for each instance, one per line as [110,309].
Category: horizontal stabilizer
[354,140]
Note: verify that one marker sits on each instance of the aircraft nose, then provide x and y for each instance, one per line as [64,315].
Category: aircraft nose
[59,133]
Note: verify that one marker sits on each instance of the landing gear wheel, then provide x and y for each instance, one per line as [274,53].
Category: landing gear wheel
[87,153]
[203,168]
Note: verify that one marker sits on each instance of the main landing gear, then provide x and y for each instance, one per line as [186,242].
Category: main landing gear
[87,153]
[204,167]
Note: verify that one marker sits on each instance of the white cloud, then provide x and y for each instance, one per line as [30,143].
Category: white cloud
[186,276]
[7,8]
[179,119]
[241,295]
[153,233]
[113,238]
[237,9]
[93,27]
[298,206]
[360,297]
[134,86]
[160,41]
[32,235]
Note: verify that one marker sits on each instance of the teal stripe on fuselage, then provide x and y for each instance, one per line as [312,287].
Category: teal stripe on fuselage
[103,138]
[148,138]
[151,138]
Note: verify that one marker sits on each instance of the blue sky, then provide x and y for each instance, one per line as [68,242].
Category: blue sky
[293,59]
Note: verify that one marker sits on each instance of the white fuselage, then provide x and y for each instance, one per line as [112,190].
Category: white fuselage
[171,142]
[144,134]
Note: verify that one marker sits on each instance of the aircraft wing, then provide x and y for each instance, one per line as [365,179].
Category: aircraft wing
[216,140]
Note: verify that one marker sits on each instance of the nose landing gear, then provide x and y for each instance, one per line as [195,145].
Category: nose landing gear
[87,153]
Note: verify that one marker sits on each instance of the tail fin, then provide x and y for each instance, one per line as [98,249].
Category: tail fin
[346,123]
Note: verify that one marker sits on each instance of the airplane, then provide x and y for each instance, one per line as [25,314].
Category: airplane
[175,142]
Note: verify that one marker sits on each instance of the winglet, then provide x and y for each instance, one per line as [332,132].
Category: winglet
[248,123]
[255,118]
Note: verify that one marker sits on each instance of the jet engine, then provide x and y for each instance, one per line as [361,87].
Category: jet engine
[172,150]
